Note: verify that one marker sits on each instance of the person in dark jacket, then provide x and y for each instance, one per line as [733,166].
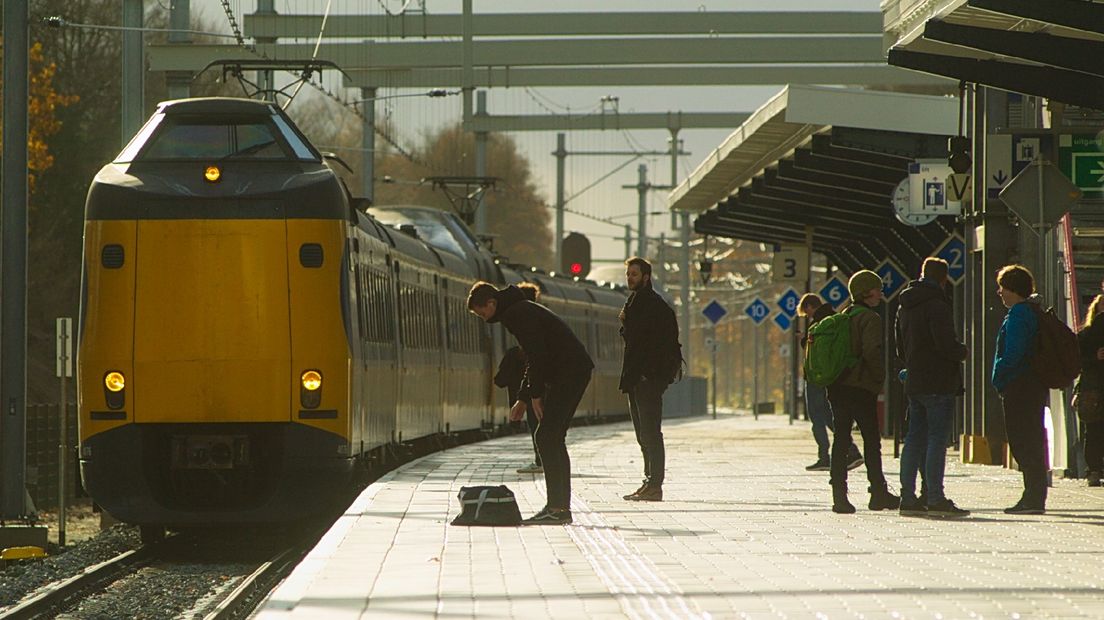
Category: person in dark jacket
[927,343]
[557,372]
[511,372]
[1088,397]
[651,361]
[812,307]
[1023,395]
[854,396]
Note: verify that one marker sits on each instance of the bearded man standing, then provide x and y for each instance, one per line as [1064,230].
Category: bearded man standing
[652,361]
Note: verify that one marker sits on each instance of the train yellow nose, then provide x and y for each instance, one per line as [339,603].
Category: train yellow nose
[114,381]
[312,380]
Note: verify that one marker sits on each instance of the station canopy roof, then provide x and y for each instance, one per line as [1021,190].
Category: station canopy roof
[826,161]
[1046,48]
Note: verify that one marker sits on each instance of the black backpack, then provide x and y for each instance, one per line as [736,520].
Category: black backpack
[1057,359]
[487,506]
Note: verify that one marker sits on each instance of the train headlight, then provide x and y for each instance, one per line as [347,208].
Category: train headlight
[114,381]
[212,174]
[114,390]
[312,380]
[310,394]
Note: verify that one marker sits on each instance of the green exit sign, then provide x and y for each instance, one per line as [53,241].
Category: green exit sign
[1081,158]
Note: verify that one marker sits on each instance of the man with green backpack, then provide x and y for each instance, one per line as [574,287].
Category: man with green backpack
[845,354]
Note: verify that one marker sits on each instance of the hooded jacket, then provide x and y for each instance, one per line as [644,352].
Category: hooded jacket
[652,349]
[867,344]
[1015,344]
[553,353]
[926,340]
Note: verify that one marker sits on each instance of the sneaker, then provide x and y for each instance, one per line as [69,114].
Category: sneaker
[946,509]
[821,465]
[648,493]
[531,468]
[913,507]
[549,517]
[1023,509]
[1093,478]
[854,459]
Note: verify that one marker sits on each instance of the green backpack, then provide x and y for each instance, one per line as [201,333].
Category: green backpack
[828,352]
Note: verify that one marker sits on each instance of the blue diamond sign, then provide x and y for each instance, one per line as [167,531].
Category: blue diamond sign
[835,292]
[714,311]
[757,310]
[788,303]
[953,251]
[893,278]
[782,321]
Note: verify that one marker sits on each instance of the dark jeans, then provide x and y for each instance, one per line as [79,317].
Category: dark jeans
[1094,446]
[929,421]
[531,421]
[820,414]
[1024,400]
[560,402]
[854,405]
[646,411]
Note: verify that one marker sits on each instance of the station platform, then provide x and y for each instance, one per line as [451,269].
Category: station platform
[744,532]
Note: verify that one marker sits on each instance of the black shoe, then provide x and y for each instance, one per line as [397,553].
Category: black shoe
[632,496]
[840,505]
[946,509]
[913,507]
[549,517]
[854,459]
[1024,509]
[647,493]
[882,499]
[820,465]
[1093,478]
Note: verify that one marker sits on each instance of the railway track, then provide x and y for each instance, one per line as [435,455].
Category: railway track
[186,575]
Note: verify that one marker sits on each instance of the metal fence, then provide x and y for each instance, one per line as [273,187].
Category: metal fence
[42,454]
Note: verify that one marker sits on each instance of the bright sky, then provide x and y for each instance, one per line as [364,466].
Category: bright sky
[606,198]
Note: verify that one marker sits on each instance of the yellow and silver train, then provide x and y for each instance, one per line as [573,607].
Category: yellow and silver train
[247,335]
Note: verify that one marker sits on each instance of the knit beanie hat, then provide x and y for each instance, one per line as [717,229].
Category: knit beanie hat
[862,283]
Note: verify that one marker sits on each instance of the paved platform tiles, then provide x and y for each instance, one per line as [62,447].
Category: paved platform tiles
[745,532]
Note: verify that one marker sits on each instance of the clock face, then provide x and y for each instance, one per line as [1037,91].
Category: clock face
[901,207]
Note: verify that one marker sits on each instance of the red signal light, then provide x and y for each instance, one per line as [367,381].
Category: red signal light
[576,269]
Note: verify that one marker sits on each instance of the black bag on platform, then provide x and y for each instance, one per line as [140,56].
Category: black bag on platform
[487,506]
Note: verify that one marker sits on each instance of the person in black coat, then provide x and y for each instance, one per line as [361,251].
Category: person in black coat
[557,372]
[1090,389]
[511,372]
[933,357]
[652,360]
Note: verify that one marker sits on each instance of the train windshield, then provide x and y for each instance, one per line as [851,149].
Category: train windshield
[429,224]
[177,137]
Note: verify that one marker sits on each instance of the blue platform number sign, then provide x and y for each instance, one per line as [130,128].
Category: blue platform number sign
[788,303]
[835,292]
[782,321]
[757,310]
[893,278]
[714,311]
[953,251]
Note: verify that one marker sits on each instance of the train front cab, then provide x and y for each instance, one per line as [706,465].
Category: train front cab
[210,310]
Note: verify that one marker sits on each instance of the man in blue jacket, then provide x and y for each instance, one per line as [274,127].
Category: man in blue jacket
[927,343]
[1022,393]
